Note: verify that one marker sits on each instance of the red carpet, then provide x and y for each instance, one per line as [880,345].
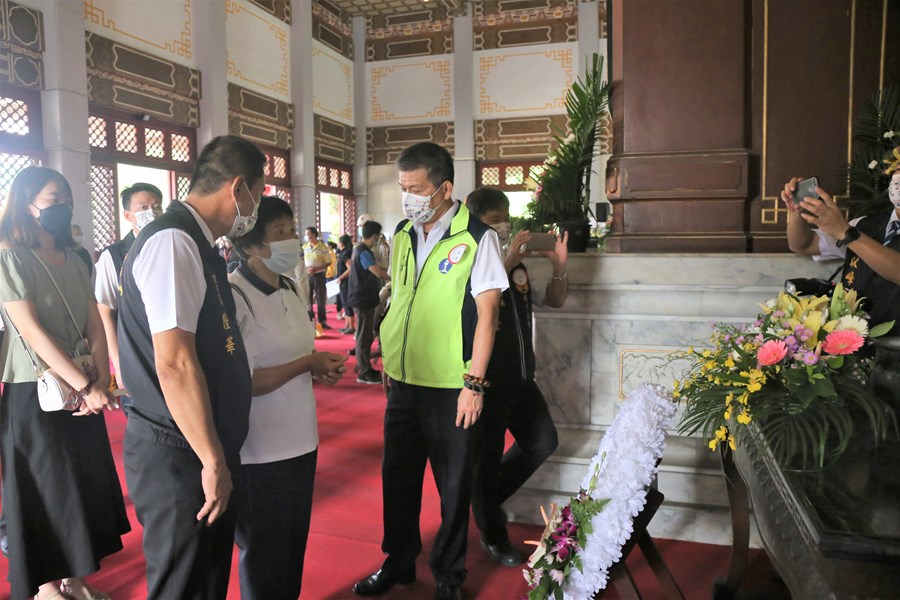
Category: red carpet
[345,536]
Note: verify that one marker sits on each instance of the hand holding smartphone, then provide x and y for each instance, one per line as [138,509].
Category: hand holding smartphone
[806,189]
[541,242]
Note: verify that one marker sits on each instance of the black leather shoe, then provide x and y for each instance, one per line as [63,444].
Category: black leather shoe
[503,553]
[381,581]
[446,591]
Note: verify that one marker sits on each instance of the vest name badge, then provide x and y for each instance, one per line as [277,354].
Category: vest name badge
[456,254]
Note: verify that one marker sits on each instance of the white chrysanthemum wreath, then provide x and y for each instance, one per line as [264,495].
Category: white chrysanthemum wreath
[584,539]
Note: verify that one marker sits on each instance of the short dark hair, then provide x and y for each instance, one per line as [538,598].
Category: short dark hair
[370,228]
[223,159]
[346,241]
[16,221]
[271,208]
[313,230]
[484,199]
[128,192]
[436,161]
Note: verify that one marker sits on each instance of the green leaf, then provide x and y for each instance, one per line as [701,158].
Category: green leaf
[880,329]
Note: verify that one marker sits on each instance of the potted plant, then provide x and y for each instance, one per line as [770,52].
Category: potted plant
[561,198]
[876,134]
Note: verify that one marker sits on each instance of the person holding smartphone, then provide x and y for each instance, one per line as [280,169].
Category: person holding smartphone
[869,246]
[513,401]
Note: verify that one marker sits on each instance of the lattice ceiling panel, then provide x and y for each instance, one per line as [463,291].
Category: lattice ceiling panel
[373,8]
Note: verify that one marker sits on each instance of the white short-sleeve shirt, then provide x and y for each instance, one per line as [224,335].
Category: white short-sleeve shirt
[276,329]
[828,248]
[106,283]
[488,272]
[169,274]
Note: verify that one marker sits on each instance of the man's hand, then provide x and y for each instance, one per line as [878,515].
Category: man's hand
[468,408]
[216,481]
[385,383]
[825,214]
[96,401]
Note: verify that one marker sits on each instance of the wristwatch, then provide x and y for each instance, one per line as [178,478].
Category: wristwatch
[851,235]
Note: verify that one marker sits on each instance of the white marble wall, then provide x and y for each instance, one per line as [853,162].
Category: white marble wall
[625,313]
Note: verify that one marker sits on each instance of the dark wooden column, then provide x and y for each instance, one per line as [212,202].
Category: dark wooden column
[716,104]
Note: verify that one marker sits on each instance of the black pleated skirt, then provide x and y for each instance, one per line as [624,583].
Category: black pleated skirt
[61,495]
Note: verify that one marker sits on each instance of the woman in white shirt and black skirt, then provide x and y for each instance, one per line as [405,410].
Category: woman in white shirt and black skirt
[278,459]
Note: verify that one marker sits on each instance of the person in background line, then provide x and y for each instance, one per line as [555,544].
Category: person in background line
[382,249]
[365,281]
[142,204]
[513,401]
[446,279]
[61,492]
[80,250]
[184,361]
[343,275]
[317,258]
[278,459]
[331,273]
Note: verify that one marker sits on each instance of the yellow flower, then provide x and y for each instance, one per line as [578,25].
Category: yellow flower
[744,417]
[729,398]
[729,363]
[707,354]
[710,365]
[721,433]
[713,443]
[731,443]
[728,414]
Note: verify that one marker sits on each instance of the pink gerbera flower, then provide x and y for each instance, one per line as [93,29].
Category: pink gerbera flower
[771,352]
[845,341]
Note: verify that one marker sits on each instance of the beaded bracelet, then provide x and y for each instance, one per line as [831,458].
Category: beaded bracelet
[477,384]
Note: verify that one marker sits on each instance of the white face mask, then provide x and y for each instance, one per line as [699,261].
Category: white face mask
[78,238]
[894,190]
[243,223]
[417,208]
[285,256]
[143,218]
[503,230]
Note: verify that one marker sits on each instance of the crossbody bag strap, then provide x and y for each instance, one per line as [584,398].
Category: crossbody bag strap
[68,310]
[37,369]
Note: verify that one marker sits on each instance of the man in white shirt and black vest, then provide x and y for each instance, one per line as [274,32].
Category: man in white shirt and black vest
[187,372]
[142,204]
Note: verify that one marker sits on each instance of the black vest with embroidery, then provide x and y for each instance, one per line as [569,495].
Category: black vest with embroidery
[219,345]
[512,360]
[883,295]
[118,251]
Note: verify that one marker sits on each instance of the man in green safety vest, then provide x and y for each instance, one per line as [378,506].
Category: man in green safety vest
[446,278]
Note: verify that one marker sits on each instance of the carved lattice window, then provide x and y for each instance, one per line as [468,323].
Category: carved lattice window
[126,137]
[182,185]
[14,116]
[181,148]
[10,165]
[509,177]
[97,132]
[103,205]
[155,143]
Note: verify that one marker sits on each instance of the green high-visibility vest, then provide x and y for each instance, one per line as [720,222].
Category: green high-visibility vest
[426,337]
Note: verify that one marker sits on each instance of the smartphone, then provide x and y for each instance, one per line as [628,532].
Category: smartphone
[541,242]
[806,189]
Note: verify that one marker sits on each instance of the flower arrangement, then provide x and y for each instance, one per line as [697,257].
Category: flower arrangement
[796,373]
[584,539]
[600,231]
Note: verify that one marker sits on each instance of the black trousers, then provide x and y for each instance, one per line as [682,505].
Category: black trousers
[521,409]
[419,426]
[317,294]
[184,560]
[365,335]
[273,526]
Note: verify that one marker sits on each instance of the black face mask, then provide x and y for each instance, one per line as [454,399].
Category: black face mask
[56,219]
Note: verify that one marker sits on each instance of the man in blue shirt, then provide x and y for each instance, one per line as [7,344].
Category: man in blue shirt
[362,295]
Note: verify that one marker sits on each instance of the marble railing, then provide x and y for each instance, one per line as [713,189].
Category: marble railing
[623,316]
